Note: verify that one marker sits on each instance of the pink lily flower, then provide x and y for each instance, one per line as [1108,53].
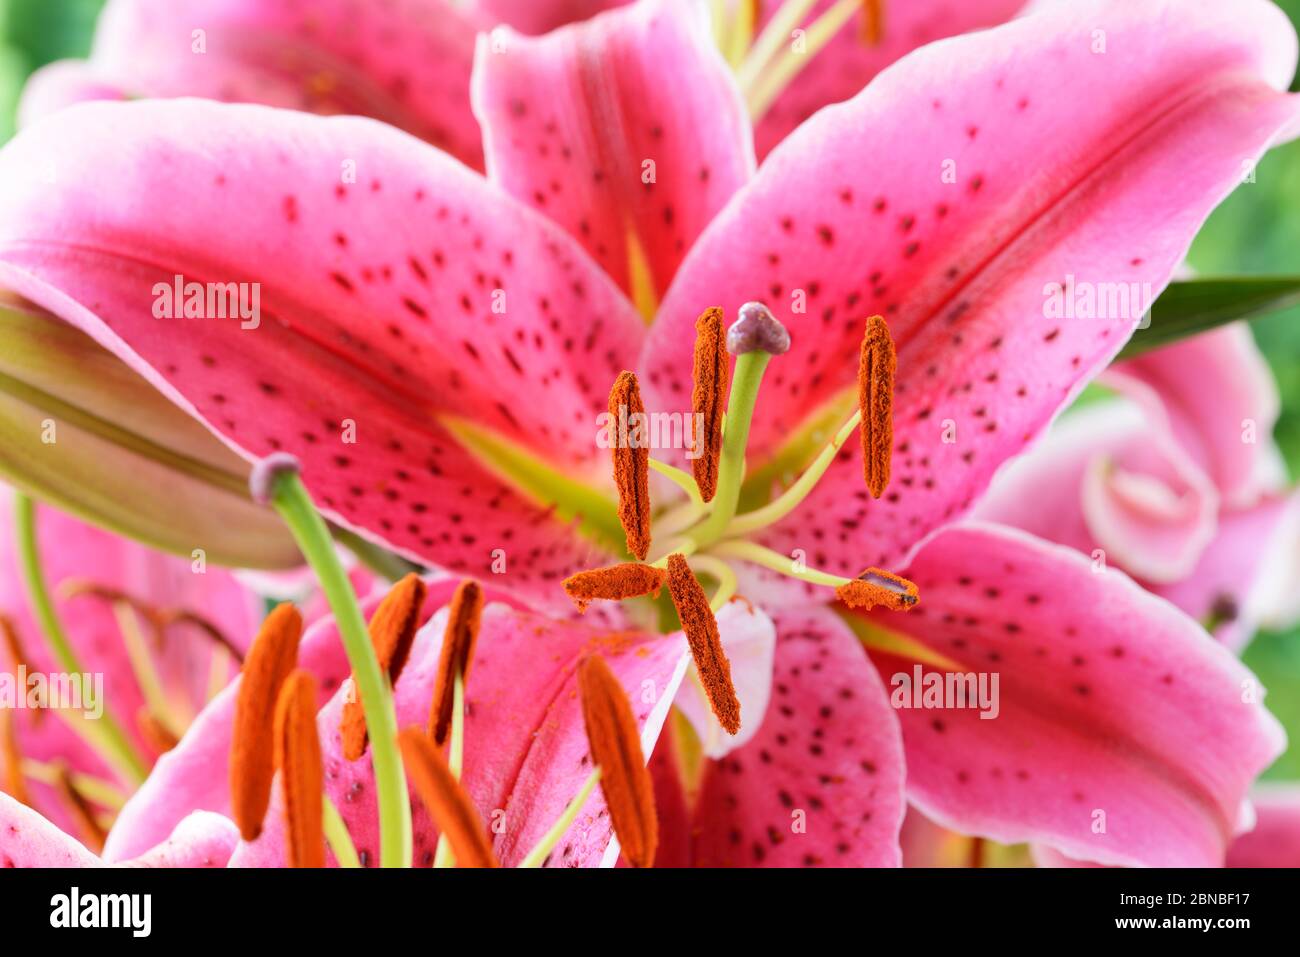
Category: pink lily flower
[386,320]
[1178,482]
[156,637]
[408,63]
[525,752]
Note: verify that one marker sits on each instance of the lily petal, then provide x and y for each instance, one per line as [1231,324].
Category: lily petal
[543,16]
[1275,839]
[1112,707]
[29,840]
[393,310]
[850,60]
[1218,397]
[405,62]
[851,215]
[822,782]
[601,126]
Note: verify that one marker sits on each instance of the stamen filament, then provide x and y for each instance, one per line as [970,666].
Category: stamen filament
[789,500]
[771,83]
[742,31]
[111,737]
[775,35]
[537,856]
[336,834]
[745,382]
[443,855]
[142,667]
[679,478]
[103,793]
[753,552]
[295,506]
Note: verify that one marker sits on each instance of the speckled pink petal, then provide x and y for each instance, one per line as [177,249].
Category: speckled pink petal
[195,775]
[542,16]
[202,839]
[914,200]
[1218,397]
[28,840]
[1242,571]
[850,60]
[1109,478]
[822,783]
[72,552]
[525,744]
[405,62]
[601,127]
[1123,733]
[397,289]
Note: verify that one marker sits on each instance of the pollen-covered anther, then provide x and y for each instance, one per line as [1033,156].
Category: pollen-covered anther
[392,632]
[302,773]
[875,587]
[445,800]
[876,401]
[13,649]
[464,618]
[615,583]
[159,736]
[631,466]
[269,661]
[12,780]
[92,832]
[616,749]
[711,376]
[873,22]
[701,630]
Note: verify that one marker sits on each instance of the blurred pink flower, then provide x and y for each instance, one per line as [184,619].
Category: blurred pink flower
[1178,482]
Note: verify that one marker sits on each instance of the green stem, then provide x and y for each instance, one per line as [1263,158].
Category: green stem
[118,745]
[552,837]
[291,500]
[748,376]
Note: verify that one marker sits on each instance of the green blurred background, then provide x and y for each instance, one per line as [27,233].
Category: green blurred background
[1257,231]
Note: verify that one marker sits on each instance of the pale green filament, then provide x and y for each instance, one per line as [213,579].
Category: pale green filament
[789,500]
[679,478]
[753,552]
[774,36]
[336,834]
[768,84]
[94,789]
[142,667]
[444,856]
[295,506]
[108,736]
[537,856]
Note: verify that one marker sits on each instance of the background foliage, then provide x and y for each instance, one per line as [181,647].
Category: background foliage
[1256,231]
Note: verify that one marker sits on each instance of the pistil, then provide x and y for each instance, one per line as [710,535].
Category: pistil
[275,480]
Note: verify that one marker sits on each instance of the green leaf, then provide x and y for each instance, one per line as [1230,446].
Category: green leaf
[1199,305]
[83,431]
